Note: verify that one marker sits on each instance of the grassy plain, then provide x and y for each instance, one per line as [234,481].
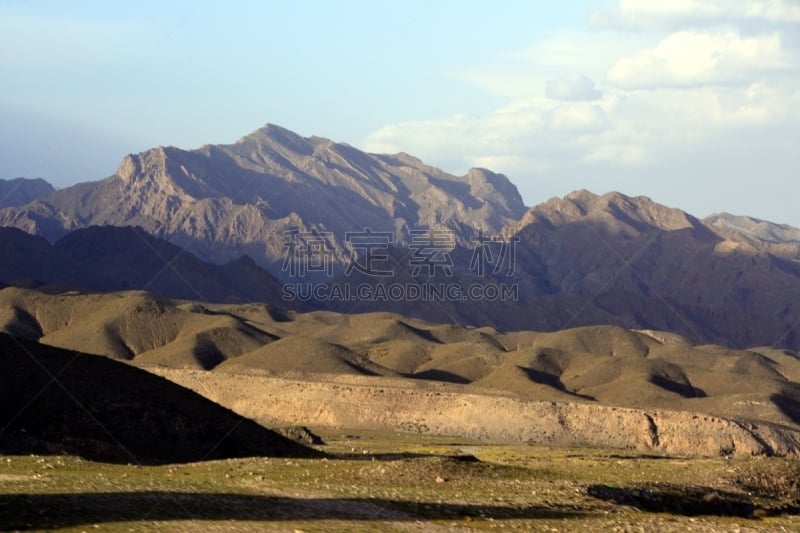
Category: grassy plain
[398,482]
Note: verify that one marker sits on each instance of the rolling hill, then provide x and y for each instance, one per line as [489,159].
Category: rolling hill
[600,365]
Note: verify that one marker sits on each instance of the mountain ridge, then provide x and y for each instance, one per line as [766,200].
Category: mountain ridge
[761,230]
[227,200]
[582,259]
[108,258]
[20,191]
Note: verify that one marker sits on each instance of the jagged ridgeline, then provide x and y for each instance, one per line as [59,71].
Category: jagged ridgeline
[223,201]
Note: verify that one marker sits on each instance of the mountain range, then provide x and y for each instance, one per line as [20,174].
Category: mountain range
[221,202]
[612,259]
[211,224]
[633,262]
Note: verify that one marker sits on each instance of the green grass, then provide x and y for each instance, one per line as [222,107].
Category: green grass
[383,481]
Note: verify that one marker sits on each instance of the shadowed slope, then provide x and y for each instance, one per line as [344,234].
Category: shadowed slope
[125,258]
[56,401]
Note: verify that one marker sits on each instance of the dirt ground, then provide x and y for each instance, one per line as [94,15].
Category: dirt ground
[424,407]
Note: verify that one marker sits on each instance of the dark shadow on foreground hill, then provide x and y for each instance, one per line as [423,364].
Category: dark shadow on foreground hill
[788,404]
[55,401]
[686,501]
[51,511]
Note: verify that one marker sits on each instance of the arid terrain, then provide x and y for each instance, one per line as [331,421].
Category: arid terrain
[154,375]
[385,481]
[597,386]
[228,219]
[400,266]
[132,411]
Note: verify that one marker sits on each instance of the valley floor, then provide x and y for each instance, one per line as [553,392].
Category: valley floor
[386,481]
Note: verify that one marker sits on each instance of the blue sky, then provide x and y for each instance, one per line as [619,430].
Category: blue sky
[695,104]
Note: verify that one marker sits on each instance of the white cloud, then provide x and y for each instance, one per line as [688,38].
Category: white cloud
[521,74]
[618,154]
[689,117]
[653,15]
[595,144]
[578,118]
[693,58]
[572,87]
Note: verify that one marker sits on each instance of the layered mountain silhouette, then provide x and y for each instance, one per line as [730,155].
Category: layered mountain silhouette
[760,230]
[633,262]
[612,259]
[781,240]
[21,191]
[209,224]
[107,258]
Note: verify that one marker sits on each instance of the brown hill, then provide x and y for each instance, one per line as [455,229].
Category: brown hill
[598,364]
[293,355]
[58,401]
[126,325]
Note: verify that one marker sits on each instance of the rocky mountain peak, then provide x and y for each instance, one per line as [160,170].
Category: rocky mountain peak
[582,197]
[613,211]
[150,163]
[643,210]
[20,191]
[754,228]
[274,136]
[483,181]
[229,200]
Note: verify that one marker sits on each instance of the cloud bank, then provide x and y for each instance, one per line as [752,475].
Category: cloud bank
[694,103]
